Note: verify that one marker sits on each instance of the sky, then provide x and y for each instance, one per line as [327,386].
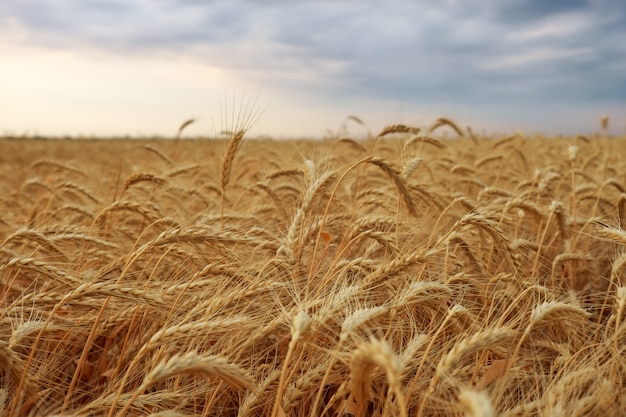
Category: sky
[300,68]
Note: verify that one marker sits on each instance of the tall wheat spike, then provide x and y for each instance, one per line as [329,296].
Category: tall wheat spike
[364,359]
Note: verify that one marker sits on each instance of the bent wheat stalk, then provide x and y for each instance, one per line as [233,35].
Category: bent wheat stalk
[364,359]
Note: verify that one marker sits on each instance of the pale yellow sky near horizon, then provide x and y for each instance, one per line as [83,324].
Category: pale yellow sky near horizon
[83,92]
[53,92]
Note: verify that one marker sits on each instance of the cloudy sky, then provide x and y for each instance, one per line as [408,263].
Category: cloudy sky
[141,67]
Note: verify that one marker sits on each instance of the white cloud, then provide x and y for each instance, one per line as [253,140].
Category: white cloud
[536,57]
[555,27]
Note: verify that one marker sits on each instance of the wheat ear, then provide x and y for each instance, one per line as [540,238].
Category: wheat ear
[194,363]
[387,130]
[423,139]
[398,180]
[183,126]
[620,297]
[299,327]
[444,121]
[158,153]
[478,341]
[544,312]
[227,162]
[476,404]
[354,144]
[364,359]
[142,177]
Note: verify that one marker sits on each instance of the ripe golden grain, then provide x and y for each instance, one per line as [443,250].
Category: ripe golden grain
[443,121]
[229,157]
[504,140]
[398,180]
[467,346]
[178,298]
[194,363]
[486,160]
[476,404]
[364,359]
[388,130]
[355,145]
[423,139]
[158,153]
[64,166]
[183,125]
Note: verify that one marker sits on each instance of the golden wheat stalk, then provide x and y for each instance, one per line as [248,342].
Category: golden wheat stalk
[398,180]
[142,177]
[476,404]
[300,325]
[423,139]
[194,363]
[158,153]
[184,125]
[364,359]
[229,157]
[443,121]
[354,144]
[472,344]
[399,128]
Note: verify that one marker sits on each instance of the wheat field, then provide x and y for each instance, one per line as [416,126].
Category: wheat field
[408,274]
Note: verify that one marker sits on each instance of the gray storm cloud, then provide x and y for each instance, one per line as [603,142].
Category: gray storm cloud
[466,52]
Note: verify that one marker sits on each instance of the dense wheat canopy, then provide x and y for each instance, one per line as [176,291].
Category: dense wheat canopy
[406,274]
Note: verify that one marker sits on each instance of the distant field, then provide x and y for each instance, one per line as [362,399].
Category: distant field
[401,275]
